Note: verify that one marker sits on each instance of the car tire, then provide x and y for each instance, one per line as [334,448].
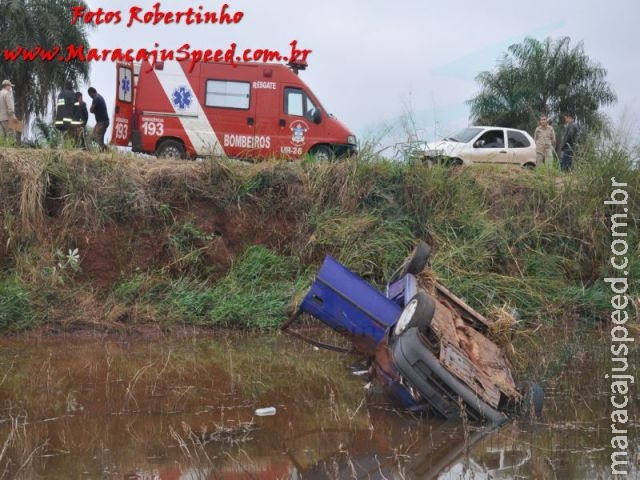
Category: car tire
[418,312]
[415,262]
[532,399]
[418,259]
[171,149]
[322,153]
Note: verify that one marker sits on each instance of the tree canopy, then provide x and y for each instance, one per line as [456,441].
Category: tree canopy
[542,77]
[47,24]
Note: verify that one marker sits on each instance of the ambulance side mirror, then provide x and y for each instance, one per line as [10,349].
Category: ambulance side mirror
[316,117]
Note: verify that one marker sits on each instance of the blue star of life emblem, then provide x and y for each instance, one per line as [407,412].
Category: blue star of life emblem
[125,85]
[182,97]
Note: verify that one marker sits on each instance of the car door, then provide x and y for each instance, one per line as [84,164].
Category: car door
[521,148]
[488,147]
[125,94]
[300,122]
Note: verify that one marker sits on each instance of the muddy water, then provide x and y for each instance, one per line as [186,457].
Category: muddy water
[184,408]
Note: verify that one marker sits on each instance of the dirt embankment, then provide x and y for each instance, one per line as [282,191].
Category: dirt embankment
[121,213]
[171,242]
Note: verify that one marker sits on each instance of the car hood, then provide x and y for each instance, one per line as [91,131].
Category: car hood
[443,147]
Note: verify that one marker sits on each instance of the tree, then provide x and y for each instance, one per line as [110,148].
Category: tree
[535,78]
[44,23]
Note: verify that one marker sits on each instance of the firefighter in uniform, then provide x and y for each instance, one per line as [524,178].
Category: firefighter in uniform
[79,118]
[545,138]
[64,108]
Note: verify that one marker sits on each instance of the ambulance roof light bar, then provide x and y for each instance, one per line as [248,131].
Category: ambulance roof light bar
[296,66]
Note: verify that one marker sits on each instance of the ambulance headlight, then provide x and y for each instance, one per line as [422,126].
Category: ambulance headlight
[351,139]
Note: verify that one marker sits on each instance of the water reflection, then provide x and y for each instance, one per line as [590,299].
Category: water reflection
[91,408]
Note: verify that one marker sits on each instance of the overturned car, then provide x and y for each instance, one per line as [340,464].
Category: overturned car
[431,352]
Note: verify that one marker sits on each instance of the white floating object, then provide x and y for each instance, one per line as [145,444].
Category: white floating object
[265,412]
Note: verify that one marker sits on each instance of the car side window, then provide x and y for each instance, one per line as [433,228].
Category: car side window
[294,102]
[298,103]
[490,139]
[517,139]
[227,94]
[310,109]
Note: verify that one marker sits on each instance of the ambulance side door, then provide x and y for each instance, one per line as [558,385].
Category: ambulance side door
[269,137]
[296,125]
[123,115]
[230,109]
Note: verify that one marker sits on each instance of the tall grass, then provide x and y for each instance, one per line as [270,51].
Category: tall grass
[255,293]
[228,243]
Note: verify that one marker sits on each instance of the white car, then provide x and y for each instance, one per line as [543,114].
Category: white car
[484,145]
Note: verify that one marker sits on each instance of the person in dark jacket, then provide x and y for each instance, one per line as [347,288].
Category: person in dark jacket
[79,119]
[99,110]
[568,142]
[64,107]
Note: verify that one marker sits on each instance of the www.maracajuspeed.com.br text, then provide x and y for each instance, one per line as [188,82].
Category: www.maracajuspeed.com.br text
[232,55]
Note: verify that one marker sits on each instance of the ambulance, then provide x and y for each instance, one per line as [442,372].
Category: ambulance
[242,110]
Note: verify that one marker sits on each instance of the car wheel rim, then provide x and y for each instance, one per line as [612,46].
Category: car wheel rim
[171,152]
[405,317]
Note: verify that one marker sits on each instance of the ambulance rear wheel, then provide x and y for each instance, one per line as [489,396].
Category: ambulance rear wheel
[171,149]
[322,153]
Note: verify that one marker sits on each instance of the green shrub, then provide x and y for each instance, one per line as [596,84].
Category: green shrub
[254,293]
[15,306]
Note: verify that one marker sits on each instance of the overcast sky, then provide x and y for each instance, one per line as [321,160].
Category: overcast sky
[374,60]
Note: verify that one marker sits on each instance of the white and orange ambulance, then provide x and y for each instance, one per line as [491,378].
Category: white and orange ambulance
[242,110]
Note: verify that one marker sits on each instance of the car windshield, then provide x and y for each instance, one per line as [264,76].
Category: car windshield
[463,136]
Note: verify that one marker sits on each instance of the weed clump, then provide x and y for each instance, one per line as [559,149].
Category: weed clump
[16,311]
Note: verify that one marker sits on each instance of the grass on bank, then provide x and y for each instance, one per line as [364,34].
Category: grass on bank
[254,293]
[536,241]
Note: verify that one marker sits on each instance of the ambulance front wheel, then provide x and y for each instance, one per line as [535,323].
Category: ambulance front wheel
[171,149]
[322,153]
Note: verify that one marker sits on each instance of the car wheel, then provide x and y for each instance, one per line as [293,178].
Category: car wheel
[429,161]
[414,263]
[454,162]
[532,399]
[322,153]
[171,149]
[419,258]
[418,312]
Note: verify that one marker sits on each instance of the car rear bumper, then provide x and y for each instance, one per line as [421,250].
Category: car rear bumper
[422,369]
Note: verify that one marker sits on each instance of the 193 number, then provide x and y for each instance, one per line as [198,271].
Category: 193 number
[153,128]
[122,130]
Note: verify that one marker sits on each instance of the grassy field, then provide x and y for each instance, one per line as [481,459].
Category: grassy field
[116,241]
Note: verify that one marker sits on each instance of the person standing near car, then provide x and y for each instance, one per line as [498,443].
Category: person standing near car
[568,143]
[7,109]
[64,107]
[99,110]
[79,118]
[545,138]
